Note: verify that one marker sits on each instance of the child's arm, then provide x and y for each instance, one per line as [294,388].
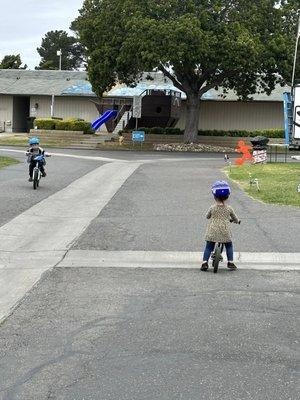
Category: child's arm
[233,216]
[29,155]
[208,214]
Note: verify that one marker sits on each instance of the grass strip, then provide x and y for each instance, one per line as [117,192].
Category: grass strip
[278,182]
[6,161]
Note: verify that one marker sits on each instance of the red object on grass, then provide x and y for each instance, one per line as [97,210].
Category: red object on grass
[245,150]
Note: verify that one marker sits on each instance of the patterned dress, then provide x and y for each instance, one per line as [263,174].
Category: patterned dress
[218,229]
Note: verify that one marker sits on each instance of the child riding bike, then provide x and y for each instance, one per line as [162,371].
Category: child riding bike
[218,230]
[33,151]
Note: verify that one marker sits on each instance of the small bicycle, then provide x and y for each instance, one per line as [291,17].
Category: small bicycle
[217,254]
[37,174]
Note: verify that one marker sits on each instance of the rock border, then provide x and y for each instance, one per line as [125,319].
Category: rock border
[192,147]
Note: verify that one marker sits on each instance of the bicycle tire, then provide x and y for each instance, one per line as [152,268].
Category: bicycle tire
[217,257]
[35,180]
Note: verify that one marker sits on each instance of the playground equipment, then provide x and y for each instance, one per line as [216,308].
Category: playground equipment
[292,117]
[104,118]
[292,106]
[155,108]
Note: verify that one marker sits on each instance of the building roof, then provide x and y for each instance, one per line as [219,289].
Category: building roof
[75,83]
[156,80]
[44,82]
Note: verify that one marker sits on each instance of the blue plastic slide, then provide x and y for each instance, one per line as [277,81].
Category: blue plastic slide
[104,117]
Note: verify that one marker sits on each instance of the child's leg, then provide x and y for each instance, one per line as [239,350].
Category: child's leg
[208,250]
[42,168]
[31,167]
[229,251]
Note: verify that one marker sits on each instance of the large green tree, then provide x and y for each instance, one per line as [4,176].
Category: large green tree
[12,62]
[72,51]
[243,45]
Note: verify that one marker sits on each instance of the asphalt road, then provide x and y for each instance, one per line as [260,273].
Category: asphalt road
[89,334]
[142,334]
[162,207]
[17,194]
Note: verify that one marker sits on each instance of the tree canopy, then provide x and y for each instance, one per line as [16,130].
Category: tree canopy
[72,51]
[198,44]
[12,62]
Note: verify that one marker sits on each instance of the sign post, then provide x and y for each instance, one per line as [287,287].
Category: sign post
[137,109]
[138,136]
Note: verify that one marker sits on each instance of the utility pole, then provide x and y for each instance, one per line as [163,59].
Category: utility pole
[296,51]
[59,54]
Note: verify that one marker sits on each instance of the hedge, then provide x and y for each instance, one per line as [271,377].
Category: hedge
[45,123]
[162,131]
[73,125]
[63,125]
[270,133]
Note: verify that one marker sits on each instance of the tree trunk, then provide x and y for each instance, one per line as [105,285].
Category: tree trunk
[192,118]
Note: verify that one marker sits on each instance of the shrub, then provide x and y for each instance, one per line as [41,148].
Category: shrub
[173,131]
[84,126]
[74,125]
[157,131]
[146,130]
[161,131]
[45,123]
[270,133]
[62,125]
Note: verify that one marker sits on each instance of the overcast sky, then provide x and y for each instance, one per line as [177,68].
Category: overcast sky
[24,23]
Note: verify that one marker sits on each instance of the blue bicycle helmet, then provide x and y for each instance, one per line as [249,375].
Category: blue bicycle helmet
[34,140]
[220,189]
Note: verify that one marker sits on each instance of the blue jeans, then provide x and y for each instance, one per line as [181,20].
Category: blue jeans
[210,248]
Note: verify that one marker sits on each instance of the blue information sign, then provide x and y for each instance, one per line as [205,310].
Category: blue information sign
[138,136]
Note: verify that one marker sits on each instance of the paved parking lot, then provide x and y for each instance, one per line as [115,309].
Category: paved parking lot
[76,326]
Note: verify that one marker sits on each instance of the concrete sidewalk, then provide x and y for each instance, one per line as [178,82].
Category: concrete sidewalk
[170,260]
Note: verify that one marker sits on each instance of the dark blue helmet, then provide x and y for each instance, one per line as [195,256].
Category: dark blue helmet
[220,189]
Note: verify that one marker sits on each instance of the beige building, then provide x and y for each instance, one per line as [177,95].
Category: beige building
[41,94]
[68,94]
[216,112]
[236,115]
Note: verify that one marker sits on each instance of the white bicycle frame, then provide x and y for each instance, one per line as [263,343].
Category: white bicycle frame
[36,169]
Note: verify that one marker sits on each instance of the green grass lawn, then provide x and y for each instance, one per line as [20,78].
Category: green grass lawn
[14,141]
[125,146]
[5,161]
[23,142]
[278,182]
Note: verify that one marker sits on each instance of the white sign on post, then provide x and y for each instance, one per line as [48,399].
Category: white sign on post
[260,156]
[137,107]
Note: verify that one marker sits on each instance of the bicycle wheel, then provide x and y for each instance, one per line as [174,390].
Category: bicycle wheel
[217,257]
[35,179]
